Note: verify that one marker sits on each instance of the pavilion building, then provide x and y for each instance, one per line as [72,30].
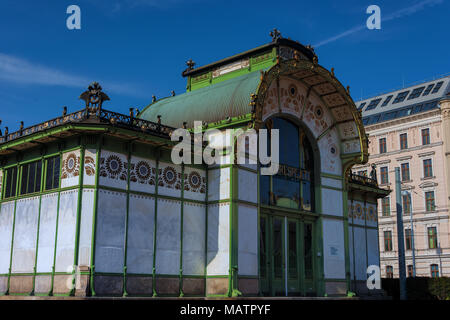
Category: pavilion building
[93,205]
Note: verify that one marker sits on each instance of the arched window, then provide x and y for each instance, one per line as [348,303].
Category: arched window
[293,186]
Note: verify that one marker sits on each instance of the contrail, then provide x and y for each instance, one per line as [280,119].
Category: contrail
[397,14]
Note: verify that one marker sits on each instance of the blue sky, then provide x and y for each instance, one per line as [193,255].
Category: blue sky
[137,48]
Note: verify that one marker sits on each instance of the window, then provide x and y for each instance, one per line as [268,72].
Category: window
[31,177]
[293,185]
[389,272]
[10,182]
[361,106]
[427,168]
[400,97]
[410,271]
[403,141]
[406,199]
[432,238]
[434,271]
[384,177]
[416,93]
[382,142]
[386,206]
[405,172]
[386,101]
[429,201]
[428,89]
[425,136]
[437,87]
[373,104]
[387,241]
[52,176]
[408,239]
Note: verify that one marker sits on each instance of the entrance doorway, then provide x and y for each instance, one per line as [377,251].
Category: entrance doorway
[287,251]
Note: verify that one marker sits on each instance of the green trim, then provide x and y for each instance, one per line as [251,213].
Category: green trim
[181,231]
[13,229]
[78,223]
[94,215]
[57,222]
[125,293]
[155,294]
[43,174]
[331,176]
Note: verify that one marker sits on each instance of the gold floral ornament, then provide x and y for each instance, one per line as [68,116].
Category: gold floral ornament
[71,166]
[89,166]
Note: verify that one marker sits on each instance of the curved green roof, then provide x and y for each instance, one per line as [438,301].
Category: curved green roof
[210,104]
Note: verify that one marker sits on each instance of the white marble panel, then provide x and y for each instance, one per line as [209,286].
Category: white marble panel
[195,184]
[113,169]
[47,232]
[142,175]
[334,183]
[218,257]
[169,179]
[247,186]
[110,235]
[141,221]
[373,253]
[360,253]
[332,202]
[6,225]
[194,228]
[330,161]
[90,158]
[350,248]
[25,235]
[67,220]
[248,240]
[219,184]
[168,242]
[334,249]
[87,212]
[70,173]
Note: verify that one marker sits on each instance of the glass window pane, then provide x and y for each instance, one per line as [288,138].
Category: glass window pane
[308,250]
[293,270]
[277,248]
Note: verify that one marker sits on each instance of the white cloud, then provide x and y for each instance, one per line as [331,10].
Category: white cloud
[21,71]
[395,15]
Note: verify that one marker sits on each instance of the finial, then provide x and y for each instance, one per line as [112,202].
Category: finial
[131,112]
[153,98]
[348,90]
[94,97]
[6,132]
[190,64]
[332,72]
[159,118]
[64,111]
[275,34]
[21,125]
[172,93]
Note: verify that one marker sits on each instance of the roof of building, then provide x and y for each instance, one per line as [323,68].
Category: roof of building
[210,104]
[404,102]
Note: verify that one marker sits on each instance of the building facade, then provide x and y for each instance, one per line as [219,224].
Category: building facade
[93,205]
[409,129]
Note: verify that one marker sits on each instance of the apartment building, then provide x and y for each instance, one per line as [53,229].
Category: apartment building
[410,129]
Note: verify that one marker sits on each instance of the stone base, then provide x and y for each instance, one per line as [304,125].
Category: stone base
[21,284]
[139,285]
[168,286]
[249,287]
[3,284]
[194,286]
[62,283]
[336,288]
[43,284]
[217,286]
[108,285]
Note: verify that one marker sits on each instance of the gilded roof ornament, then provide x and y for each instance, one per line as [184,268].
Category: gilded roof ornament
[275,34]
[94,96]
